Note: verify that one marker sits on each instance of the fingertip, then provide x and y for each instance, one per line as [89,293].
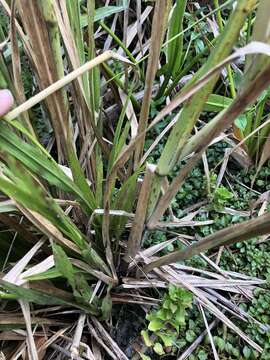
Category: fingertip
[6,101]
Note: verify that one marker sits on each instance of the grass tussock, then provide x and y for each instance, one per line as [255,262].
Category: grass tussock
[117,106]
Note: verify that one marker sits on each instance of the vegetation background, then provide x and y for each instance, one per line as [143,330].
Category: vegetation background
[134,179]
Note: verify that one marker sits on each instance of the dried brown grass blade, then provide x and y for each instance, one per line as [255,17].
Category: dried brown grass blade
[135,236]
[98,274]
[227,236]
[197,342]
[51,340]
[159,24]
[107,338]
[43,266]
[216,357]
[48,228]
[31,345]
[74,349]
[265,153]
[130,113]
[14,274]
[84,113]
[204,301]
[133,29]
[13,277]
[45,67]
[19,28]
[100,341]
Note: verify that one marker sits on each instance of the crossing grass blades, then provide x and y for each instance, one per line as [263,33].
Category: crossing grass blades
[76,207]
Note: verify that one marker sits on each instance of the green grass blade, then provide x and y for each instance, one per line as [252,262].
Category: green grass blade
[124,200]
[63,265]
[193,107]
[217,103]
[175,48]
[38,163]
[119,138]
[42,298]
[104,12]
[20,187]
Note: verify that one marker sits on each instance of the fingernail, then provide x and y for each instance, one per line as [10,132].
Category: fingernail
[6,101]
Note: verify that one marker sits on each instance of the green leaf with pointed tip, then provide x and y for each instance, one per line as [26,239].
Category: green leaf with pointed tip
[164,314]
[49,274]
[63,265]
[106,306]
[241,122]
[168,340]
[83,293]
[173,307]
[158,348]
[155,325]
[175,48]
[179,315]
[146,338]
[166,305]
[104,12]
[144,357]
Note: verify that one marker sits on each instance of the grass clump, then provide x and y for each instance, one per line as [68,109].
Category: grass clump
[111,187]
